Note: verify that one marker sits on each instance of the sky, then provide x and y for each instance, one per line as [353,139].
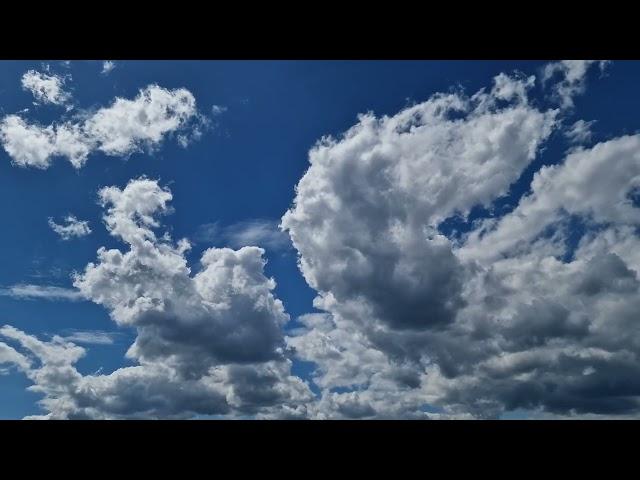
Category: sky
[319,239]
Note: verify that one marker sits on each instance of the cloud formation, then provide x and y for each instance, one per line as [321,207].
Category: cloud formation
[515,313]
[573,74]
[121,129]
[206,343]
[47,89]
[533,308]
[71,228]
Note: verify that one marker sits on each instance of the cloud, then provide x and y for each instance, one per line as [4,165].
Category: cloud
[207,343]
[572,78]
[9,355]
[516,314]
[365,212]
[73,228]
[121,129]
[90,337]
[47,89]
[107,67]
[255,232]
[579,132]
[529,309]
[218,109]
[593,184]
[46,292]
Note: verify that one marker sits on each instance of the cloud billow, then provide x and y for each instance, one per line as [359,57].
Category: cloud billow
[521,311]
[493,321]
[203,342]
[121,129]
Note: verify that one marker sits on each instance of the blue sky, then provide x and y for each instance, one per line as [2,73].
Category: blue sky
[263,118]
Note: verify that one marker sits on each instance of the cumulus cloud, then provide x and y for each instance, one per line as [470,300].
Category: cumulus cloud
[365,212]
[121,129]
[530,310]
[515,314]
[207,343]
[47,89]
[71,228]
[593,184]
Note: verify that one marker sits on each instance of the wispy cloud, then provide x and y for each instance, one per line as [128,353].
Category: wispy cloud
[91,337]
[255,232]
[46,292]
[579,132]
[107,67]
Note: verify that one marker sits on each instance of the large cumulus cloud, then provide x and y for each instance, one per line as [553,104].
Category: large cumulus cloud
[535,309]
[516,313]
[206,343]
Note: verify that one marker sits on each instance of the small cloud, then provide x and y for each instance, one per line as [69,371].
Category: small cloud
[45,88]
[90,337]
[73,228]
[579,132]
[107,67]
[256,232]
[45,292]
[218,109]
[570,78]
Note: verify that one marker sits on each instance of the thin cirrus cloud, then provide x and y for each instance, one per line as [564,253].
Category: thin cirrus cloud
[121,129]
[254,232]
[514,315]
[91,337]
[71,228]
[45,292]
[580,132]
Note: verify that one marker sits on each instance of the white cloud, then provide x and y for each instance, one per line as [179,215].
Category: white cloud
[497,321]
[46,292]
[9,355]
[579,132]
[533,310]
[90,337]
[27,145]
[594,184]
[572,80]
[73,228]
[107,67]
[364,213]
[46,88]
[124,128]
[128,126]
[206,343]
